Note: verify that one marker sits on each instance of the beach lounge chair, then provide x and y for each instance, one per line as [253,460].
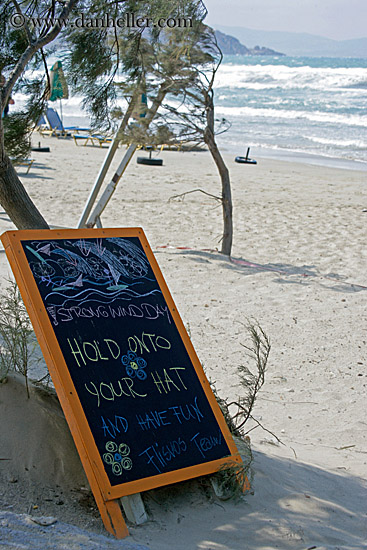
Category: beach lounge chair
[172,145]
[24,162]
[87,137]
[56,127]
[42,126]
[41,123]
[93,139]
[101,139]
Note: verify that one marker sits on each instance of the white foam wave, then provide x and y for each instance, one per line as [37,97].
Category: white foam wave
[315,116]
[355,143]
[70,107]
[261,77]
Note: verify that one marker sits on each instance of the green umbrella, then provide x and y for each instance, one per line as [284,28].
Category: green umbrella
[58,86]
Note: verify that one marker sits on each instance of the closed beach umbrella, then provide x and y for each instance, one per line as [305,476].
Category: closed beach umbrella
[58,86]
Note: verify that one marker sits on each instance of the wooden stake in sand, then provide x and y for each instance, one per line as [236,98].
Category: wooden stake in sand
[131,386]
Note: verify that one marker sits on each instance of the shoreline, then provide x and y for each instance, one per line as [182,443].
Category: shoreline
[267,153]
[238,149]
[298,157]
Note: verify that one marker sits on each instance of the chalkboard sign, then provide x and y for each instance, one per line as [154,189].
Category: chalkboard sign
[133,390]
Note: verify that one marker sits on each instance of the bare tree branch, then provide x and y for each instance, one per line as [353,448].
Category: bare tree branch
[183,195]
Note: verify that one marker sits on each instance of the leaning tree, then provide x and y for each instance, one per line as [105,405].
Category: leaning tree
[192,116]
[102,53]
[178,72]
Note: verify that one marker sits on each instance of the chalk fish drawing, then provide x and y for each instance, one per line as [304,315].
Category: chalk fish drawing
[86,271]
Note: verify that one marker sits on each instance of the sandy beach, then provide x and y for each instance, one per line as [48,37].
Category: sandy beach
[298,267]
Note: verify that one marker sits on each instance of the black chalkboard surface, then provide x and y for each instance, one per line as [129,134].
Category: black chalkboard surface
[132,371]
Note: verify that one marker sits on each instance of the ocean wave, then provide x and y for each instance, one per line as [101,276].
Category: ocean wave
[355,143]
[362,85]
[285,104]
[262,77]
[313,116]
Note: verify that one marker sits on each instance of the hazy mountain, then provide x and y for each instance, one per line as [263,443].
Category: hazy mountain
[298,43]
[232,46]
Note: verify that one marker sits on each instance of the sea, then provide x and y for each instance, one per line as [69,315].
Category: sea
[295,108]
[308,109]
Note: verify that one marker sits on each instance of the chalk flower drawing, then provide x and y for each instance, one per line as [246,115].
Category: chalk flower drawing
[117,457]
[134,365]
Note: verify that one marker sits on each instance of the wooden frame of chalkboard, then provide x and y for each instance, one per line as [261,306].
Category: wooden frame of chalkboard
[134,394]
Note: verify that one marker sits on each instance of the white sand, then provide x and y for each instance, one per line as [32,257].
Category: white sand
[302,230]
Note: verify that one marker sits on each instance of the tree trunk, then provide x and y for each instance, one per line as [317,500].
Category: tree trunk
[15,199]
[226,197]
[13,196]
[227,207]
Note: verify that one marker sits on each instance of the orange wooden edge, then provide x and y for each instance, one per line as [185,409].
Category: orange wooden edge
[104,493]
[110,511]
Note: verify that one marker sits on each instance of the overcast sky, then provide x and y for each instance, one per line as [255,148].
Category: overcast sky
[338,19]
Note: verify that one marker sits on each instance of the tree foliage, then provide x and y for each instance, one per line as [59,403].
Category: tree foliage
[193,117]
[95,58]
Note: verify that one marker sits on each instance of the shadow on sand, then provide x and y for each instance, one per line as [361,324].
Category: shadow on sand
[34,172]
[283,273]
[294,506]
